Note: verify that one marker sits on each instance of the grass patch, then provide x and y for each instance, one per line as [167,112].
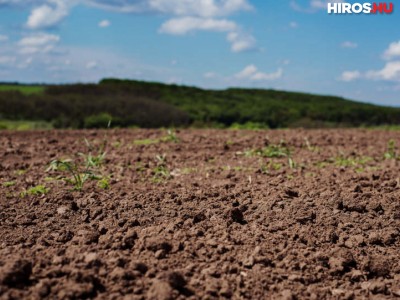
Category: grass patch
[271,151]
[249,126]
[38,190]
[342,161]
[20,172]
[24,89]
[170,137]
[271,166]
[9,183]
[24,125]
[145,142]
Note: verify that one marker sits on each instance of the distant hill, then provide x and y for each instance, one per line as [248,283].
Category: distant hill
[148,104]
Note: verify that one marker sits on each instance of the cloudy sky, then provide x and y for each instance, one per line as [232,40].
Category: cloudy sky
[287,44]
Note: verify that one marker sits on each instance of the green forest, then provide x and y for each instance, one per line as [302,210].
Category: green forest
[129,103]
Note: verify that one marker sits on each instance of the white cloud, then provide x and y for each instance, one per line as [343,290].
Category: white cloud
[241,41]
[3,38]
[314,5]
[390,72]
[40,42]
[293,25]
[39,39]
[198,8]
[392,51]
[181,26]
[252,73]
[348,44]
[91,65]
[187,15]
[348,76]
[210,75]
[48,14]
[104,23]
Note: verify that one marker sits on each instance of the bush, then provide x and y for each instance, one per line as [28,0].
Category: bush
[102,120]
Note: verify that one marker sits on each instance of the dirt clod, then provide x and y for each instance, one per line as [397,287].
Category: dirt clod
[236,215]
[16,273]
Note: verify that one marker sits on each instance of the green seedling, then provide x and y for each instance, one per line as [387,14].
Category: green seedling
[82,171]
[271,166]
[292,164]
[78,177]
[342,161]
[8,183]
[170,137]
[20,172]
[161,171]
[145,142]
[104,183]
[36,191]
[391,152]
[310,147]
[271,151]
[94,160]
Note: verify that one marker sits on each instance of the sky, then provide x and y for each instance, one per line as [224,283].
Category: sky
[292,45]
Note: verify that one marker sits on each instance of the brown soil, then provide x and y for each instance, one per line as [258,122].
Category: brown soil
[226,223]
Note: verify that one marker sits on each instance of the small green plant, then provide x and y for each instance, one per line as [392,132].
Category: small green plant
[161,171]
[36,191]
[265,169]
[271,151]
[82,171]
[145,142]
[171,137]
[8,183]
[104,183]
[20,172]
[97,159]
[391,152]
[311,147]
[292,164]
[351,161]
[78,177]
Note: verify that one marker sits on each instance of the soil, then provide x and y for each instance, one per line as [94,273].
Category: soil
[213,218]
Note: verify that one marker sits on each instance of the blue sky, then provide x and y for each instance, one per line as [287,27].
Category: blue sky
[289,44]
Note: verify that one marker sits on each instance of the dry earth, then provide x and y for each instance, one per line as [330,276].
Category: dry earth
[213,218]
